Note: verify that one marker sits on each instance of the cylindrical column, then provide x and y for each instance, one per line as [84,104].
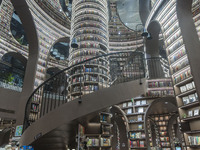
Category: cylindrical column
[90,27]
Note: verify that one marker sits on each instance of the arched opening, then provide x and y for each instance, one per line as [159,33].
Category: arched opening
[161,126]
[60,51]
[12,70]
[120,129]
[17,29]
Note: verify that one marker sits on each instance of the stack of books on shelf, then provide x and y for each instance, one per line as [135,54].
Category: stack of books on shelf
[137,143]
[93,142]
[194,140]
[105,142]
[137,135]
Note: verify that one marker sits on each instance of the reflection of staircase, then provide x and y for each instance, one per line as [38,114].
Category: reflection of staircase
[55,129]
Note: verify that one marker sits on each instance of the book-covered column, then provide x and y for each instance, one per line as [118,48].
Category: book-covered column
[90,28]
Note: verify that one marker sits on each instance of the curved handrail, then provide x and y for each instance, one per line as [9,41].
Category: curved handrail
[51,93]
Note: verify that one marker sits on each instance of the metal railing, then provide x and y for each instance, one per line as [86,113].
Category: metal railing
[57,90]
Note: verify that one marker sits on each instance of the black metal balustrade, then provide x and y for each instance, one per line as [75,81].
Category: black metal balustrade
[57,90]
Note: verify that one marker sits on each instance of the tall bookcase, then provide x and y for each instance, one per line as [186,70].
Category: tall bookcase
[184,87]
[100,138]
[135,110]
[90,29]
[161,131]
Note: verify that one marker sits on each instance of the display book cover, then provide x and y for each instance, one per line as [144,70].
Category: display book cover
[137,143]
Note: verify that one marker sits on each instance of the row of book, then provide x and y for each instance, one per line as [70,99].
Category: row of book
[89,19]
[42,70]
[87,31]
[89,45]
[6,47]
[138,102]
[178,55]
[169,14]
[159,84]
[160,118]
[89,6]
[95,142]
[164,133]
[180,65]
[175,46]
[137,143]
[86,88]
[137,135]
[85,53]
[89,78]
[160,93]
[196,12]
[182,76]
[166,139]
[105,142]
[190,98]
[194,140]
[187,87]
[173,38]
[95,62]
[40,25]
[33,116]
[165,144]
[161,123]
[96,1]
[172,20]
[172,29]
[138,110]
[90,25]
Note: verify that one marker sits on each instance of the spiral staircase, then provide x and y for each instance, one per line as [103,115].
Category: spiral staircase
[52,118]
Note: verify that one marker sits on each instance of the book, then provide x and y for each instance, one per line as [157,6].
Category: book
[130,104]
[192,98]
[124,105]
[129,111]
[183,89]
[143,102]
[141,143]
[139,117]
[189,86]
[185,100]
[140,110]
[140,126]
[137,103]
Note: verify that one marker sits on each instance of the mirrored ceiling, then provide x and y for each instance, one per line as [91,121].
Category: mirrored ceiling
[128,11]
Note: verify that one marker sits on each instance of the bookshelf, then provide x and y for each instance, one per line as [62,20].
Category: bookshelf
[90,29]
[135,110]
[183,84]
[160,87]
[159,133]
[196,15]
[102,138]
